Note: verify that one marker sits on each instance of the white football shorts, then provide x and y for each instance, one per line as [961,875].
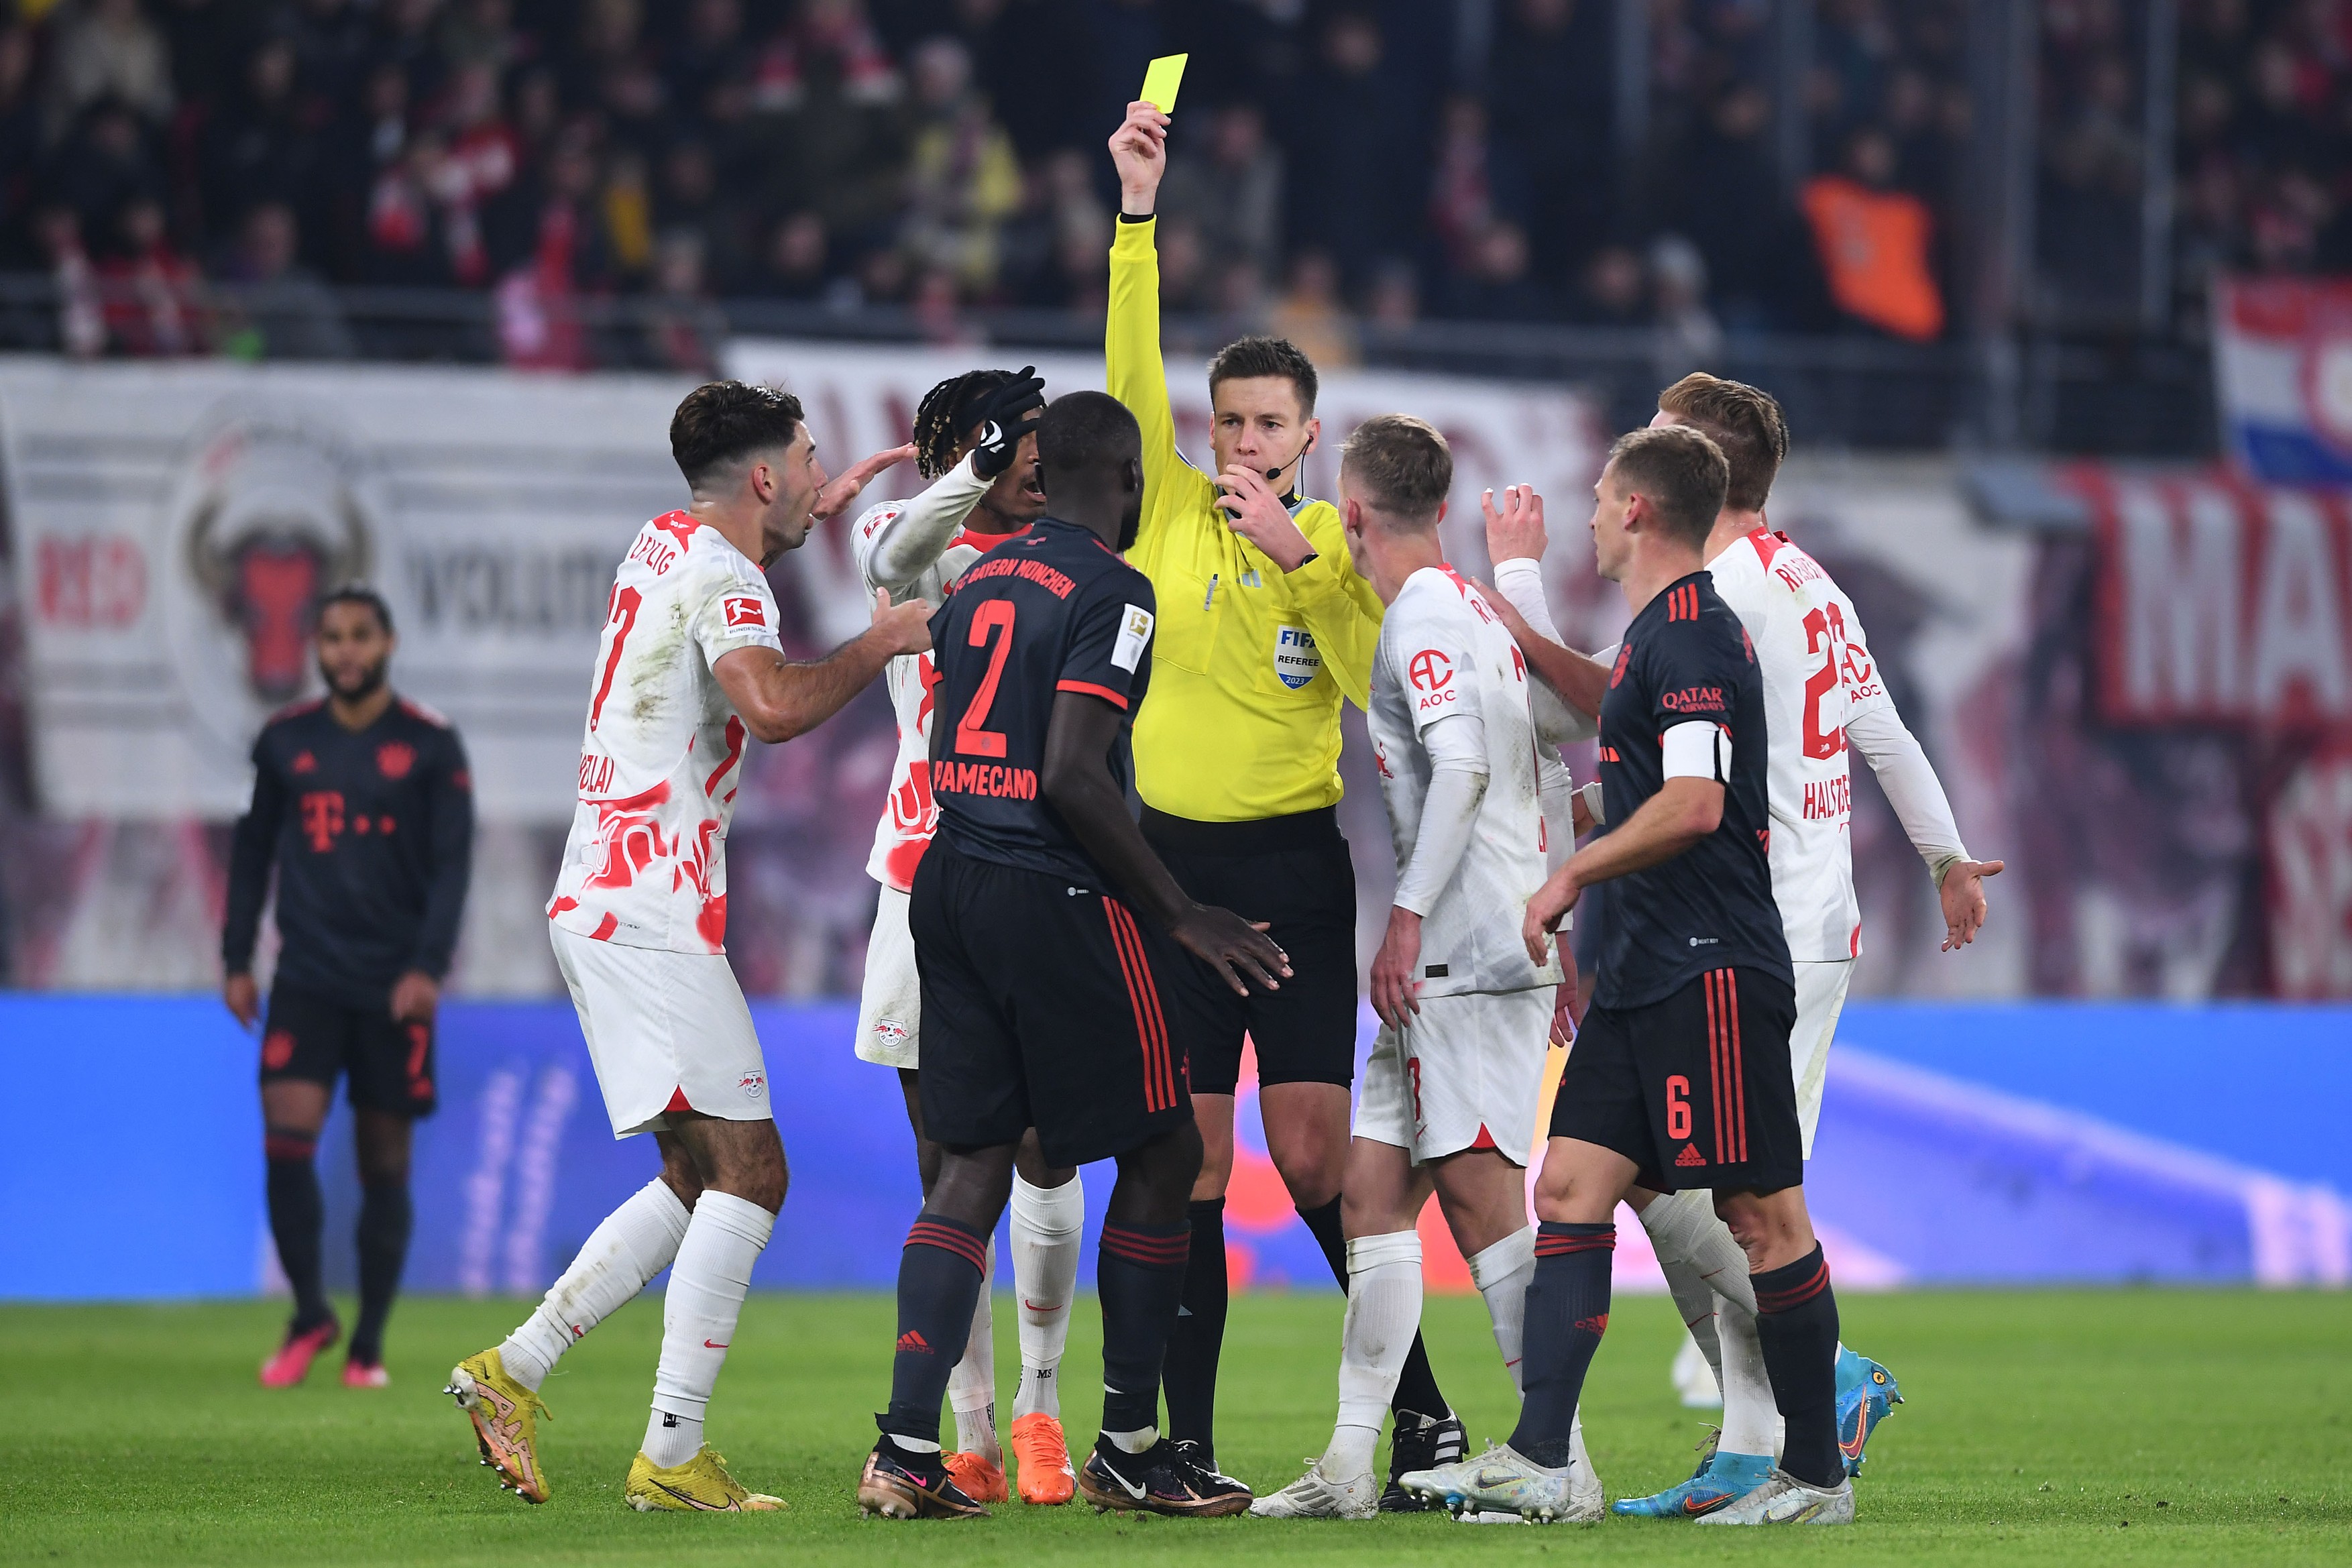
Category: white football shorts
[1465,1073]
[664,1028]
[1820,997]
[890,1007]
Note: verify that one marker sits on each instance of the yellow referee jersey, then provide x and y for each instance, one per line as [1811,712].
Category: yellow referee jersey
[1248,663]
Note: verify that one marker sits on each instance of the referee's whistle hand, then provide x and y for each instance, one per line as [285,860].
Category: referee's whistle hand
[1240,951]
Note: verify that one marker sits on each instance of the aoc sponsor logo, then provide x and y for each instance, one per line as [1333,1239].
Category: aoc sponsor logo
[984,778]
[1297,661]
[1432,674]
[1694,700]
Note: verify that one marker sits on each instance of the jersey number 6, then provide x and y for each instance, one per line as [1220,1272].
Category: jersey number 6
[993,615]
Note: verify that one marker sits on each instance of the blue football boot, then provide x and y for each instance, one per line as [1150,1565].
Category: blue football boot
[1720,1480]
[1865,1393]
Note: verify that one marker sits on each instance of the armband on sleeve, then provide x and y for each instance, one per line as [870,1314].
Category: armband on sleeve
[1698,749]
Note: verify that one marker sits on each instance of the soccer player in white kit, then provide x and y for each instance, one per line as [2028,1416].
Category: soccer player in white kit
[688,667]
[973,442]
[1452,1089]
[1824,697]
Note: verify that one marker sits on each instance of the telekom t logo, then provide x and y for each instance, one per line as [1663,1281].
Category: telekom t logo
[322,817]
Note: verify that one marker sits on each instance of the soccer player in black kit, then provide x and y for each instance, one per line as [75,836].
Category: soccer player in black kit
[1680,1077]
[1046,931]
[362,802]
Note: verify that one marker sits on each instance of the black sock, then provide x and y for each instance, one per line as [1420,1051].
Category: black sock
[298,1213]
[1567,1311]
[1139,1273]
[1797,1324]
[386,1218]
[1198,1336]
[938,1284]
[1417,1393]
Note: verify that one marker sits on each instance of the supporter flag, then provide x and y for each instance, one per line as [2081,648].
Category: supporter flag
[2283,373]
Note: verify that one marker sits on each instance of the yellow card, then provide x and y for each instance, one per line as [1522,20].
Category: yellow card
[1161,83]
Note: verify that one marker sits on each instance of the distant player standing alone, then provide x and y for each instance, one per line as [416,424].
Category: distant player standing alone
[362,802]
[975,440]
[688,668]
[1265,627]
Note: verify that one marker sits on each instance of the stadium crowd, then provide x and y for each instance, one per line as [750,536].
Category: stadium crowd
[1337,163]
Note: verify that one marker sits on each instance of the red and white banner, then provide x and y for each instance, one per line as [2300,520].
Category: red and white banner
[2222,602]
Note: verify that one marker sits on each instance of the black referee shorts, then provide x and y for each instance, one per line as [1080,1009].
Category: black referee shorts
[1294,872]
[1695,1089]
[1041,1007]
[316,1040]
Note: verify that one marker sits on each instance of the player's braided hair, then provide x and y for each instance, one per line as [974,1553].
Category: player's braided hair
[945,413]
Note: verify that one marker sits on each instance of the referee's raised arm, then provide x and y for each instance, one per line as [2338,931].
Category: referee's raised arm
[1264,629]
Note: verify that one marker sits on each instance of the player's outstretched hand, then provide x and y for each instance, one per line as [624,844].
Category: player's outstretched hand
[1004,419]
[906,627]
[843,489]
[414,997]
[1252,509]
[1515,530]
[1545,911]
[1395,992]
[1964,901]
[1241,953]
[242,997]
[1139,151]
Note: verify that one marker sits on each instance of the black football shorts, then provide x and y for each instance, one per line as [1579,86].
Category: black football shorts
[1293,872]
[1042,1006]
[314,1038]
[1696,1089]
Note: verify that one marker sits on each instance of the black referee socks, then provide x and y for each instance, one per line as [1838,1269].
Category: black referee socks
[939,1275]
[1797,1324]
[1567,1311]
[1199,1334]
[1139,1273]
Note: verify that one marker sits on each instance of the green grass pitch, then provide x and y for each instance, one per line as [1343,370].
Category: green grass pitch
[2116,1427]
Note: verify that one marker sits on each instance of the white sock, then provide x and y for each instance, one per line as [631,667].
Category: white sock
[706,1287]
[1383,1310]
[972,1386]
[1501,1273]
[1138,1441]
[1685,1228]
[1047,1223]
[1670,1222]
[635,1241]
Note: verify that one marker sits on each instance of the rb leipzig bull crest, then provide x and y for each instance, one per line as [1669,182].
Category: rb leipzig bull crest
[272,509]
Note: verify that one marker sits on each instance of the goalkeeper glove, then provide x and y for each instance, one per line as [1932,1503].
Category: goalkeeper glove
[1003,422]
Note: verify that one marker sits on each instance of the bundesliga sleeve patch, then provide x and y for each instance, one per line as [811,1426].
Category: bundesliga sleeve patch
[1134,636]
[746,610]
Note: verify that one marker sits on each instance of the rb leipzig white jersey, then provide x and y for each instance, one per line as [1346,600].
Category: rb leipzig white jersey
[892,546]
[1818,675]
[1443,651]
[662,755]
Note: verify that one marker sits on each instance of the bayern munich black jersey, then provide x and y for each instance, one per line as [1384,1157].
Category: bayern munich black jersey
[373,834]
[1686,656]
[1050,611]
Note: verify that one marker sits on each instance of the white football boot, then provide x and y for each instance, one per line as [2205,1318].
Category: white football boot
[1315,1496]
[1501,1480]
[1785,1500]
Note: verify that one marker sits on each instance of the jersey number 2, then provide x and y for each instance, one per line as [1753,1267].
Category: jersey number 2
[1821,630]
[993,615]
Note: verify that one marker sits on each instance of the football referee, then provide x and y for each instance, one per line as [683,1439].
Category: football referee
[1264,627]
[364,803]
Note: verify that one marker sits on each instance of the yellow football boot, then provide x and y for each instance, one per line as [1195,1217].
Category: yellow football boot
[701,1485]
[505,1421]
